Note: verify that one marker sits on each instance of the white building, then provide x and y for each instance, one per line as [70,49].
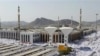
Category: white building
[9,34]
[25,36]
[58,35]
[49,34]
[29,37]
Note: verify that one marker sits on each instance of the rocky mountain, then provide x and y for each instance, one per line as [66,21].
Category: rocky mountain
[40,22]
[92,24]
[43,22]
[85,23]
[12,24]
[68,22]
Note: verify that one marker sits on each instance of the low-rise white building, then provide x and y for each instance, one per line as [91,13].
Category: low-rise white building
[49,34]
[29,37]
[9,34]
[58,35]
[23,37]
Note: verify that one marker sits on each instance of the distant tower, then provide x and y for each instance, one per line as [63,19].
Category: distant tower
[96,21]
[18,29]
[18,18]
[80,19]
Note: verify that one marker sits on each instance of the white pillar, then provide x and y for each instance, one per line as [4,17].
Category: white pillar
[58,37]
[50,39]
[0,34]
[54,38]
[61,38]
[31,38]
[20,37]
[25,38]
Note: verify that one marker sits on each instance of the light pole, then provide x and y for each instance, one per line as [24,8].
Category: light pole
[80,19]
[71,24]
[96,21]
[96,24]
[19,25]
[0,23]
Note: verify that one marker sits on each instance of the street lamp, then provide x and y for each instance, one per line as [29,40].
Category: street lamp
[0,23]
[96,25]
[96,21]
[71,24]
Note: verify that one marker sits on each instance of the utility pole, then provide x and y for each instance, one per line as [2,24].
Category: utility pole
[96,26]
[96,21]
[0,23]
[18,18]
[18,23]
[58,23]
[80,19]
[71,21]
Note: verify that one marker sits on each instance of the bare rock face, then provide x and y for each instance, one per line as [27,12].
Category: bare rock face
[39,22]
[43,22]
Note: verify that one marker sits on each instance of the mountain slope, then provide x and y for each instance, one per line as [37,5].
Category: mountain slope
[43,22]
[39,22]
[12,24]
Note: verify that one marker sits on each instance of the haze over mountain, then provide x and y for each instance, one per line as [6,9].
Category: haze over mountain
[39,22]
[93,23]
[43,22]
[12,24]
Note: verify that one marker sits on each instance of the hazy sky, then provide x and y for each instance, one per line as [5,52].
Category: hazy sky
[32,9]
